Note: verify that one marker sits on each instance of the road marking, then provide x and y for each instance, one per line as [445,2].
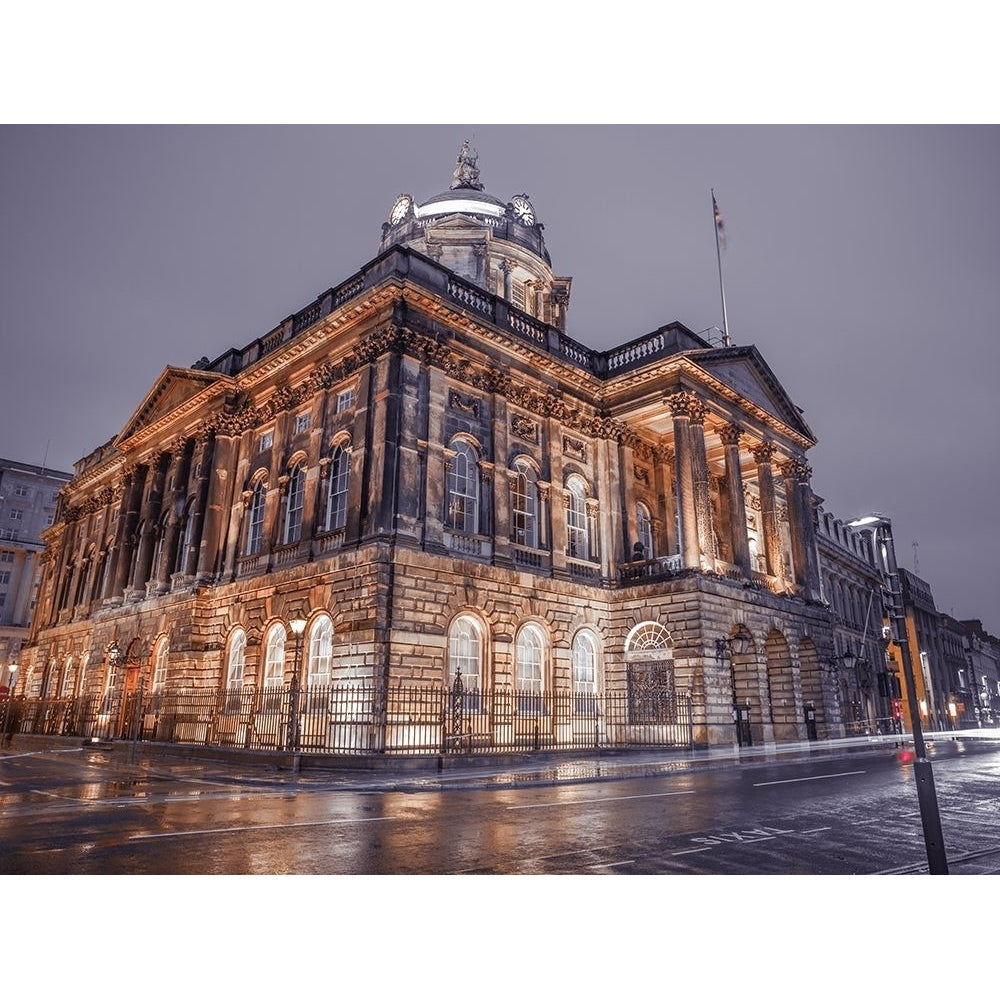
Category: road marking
[817,829]
[814,777]
[611,798]
[692,850]
[613,864]
[263,826]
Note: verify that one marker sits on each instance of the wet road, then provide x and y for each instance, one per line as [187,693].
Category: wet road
[75,811]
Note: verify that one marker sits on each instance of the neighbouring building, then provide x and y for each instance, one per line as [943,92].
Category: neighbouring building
[852,587]
[28,497]
[448,494]
[982,657]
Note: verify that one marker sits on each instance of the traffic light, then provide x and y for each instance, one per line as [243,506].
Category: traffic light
[897,708]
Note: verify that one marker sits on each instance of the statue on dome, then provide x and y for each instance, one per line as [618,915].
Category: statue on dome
[466,173]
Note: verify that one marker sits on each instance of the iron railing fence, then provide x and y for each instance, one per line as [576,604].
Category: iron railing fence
[364,719]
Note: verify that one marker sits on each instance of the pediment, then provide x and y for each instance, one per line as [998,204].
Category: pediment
[744,369]
[172,390]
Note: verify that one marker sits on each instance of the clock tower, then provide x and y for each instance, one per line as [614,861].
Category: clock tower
[495,244]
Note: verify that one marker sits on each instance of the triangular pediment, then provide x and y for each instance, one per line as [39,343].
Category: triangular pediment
[172,390]
[743,369]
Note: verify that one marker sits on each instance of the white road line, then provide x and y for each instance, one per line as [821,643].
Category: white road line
[691,850]
[263,826]
[814,777]
[613,864]
[611,798]
[818,829]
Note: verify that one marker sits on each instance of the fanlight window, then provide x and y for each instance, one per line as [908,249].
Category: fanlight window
[577,524]
[274,659]
[160,666]
[525,503]
[255,519]
[465,653]
[463,490]
[237,659]
[296,500]
[644,531]
[320,651]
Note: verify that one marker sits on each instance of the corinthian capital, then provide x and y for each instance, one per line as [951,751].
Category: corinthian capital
[763,453]
[687,404]
[730,433]
[796,469]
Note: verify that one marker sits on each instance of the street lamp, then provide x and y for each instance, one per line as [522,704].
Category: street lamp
[8,734]
[881,529]
[726,647]
[298,626]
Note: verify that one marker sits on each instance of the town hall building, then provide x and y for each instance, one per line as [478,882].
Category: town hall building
[419,516]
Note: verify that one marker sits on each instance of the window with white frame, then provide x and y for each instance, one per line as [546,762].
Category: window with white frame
[66,686]
[465,653]
[6,556]
[644,531]
[584,673]
[160,666]
[294,504]
[266,440]
[530,654]
[345,400]
[255,519]
[237,659]
[17,515]
[302,423]
[5,576]
[22,491]
[577,526]
[525,504]
[463,489]
[274,657]
[336,504]
[320,651]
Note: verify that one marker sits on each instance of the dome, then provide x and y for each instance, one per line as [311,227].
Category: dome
[494,243]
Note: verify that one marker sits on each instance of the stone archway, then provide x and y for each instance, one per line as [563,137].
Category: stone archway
[649,675]
[784,710]
[813,694]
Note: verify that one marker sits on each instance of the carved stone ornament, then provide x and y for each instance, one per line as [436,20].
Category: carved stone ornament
[524,427]
[573,447]
[641,474]
[687,404]
[730,433]
[796,470]
[467,404]
[763,453]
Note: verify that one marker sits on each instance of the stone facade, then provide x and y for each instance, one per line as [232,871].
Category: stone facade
[429,471]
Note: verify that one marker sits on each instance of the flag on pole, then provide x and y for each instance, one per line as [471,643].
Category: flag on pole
[720,229]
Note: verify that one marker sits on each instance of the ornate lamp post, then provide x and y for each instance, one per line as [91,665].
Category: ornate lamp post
[726,647]
[298,626]
[892,598]
[9,713]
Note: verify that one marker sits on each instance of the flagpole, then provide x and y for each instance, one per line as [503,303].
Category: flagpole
[717,219]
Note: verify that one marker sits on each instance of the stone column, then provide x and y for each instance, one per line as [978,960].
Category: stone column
[133,482]
[210,546]
[682,406]
[197,513]
[730,435]
[768,508]
[175,504]
[800,513]
[663,465]
[702,495]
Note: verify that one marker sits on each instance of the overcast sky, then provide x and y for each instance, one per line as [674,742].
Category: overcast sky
[861,261]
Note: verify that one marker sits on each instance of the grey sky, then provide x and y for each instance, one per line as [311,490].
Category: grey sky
[862,262]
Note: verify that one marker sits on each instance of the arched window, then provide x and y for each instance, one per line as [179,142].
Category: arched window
[584,664]
[463,490]
[577,526]
[80,688]
[274,657]
[255,518]
[465,653]
[320,651]
[160,665]
[237,659]
[524,497]
[336,504]
[530,669]
[68,677]
[644,531]
[294,504]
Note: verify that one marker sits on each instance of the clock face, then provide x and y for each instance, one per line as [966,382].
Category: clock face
[523,211]
[399,209]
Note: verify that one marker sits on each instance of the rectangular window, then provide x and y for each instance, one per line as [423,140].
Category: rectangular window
[517,295]
[22,491]
[49,518]
[7,533]
[6,556]
[302,423]
[17,515]
[345,400]
[5,576]
[3,599]
[266,440]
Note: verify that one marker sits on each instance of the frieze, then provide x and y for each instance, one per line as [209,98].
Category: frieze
[575,448]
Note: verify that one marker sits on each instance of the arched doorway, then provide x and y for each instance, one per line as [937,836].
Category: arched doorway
[784,712]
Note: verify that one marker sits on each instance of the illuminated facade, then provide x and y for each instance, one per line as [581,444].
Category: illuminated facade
[423,466]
